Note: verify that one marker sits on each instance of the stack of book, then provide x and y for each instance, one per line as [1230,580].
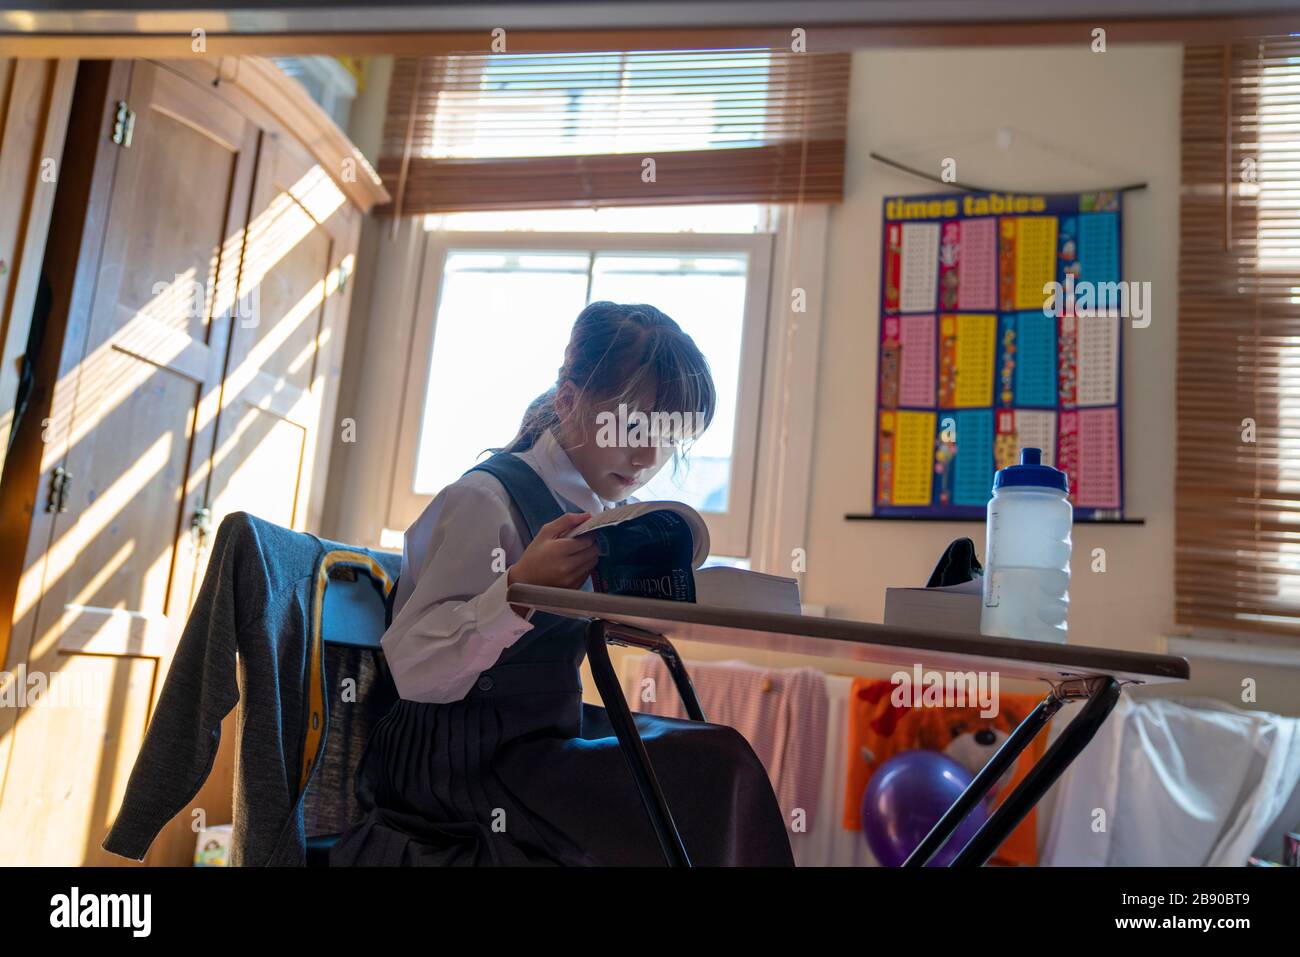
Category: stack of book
[948,608]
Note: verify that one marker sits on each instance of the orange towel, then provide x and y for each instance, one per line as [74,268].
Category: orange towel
[878,730]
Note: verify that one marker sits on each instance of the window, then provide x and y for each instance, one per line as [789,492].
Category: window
[330,81]
[570,104]
[494,315]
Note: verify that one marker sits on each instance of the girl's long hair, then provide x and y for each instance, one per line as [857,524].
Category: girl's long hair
[613,351]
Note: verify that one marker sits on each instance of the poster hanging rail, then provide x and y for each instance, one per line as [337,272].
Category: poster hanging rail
[982,189]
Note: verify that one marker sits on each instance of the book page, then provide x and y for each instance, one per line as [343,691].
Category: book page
[625,513]
[741,588]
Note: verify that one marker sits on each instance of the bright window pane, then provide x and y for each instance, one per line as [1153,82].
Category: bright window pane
[705,294]
[570,104]
[504,319]
[503,322]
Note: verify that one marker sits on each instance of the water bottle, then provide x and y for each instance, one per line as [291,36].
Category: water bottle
[1027,554]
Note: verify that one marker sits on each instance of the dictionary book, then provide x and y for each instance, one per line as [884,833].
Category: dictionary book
[655,550]
[647,549]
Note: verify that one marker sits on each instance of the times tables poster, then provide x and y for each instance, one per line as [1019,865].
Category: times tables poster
[978,357]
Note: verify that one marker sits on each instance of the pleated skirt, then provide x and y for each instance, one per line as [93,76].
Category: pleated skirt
[514,775]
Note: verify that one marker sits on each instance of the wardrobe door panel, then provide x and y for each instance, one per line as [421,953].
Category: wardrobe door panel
[204,264]
[272,400]
[132,434]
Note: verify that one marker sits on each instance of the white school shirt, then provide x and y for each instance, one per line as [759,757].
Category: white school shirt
[451,620]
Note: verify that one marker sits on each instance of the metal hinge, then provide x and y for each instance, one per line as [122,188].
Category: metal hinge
[60,480]
[123,124]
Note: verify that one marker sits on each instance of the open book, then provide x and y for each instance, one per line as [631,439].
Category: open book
[647,549]
[652,550]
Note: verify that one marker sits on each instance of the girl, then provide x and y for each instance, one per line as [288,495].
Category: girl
[491,756]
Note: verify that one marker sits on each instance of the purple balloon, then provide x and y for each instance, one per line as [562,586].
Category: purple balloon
[904,800]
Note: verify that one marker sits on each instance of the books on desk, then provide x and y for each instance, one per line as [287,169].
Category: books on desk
[647,549]
[740,588]
[949,608]
[653,550]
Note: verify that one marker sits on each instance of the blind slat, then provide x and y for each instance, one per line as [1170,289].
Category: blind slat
[1237,514]
[560,130]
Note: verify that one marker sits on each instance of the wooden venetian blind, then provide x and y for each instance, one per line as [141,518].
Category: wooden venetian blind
[559,130]
[1238,472]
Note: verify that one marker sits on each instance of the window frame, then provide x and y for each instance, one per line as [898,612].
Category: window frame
[731,532]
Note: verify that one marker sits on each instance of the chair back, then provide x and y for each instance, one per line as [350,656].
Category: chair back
[350,602]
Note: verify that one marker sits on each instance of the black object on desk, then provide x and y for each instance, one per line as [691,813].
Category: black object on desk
[956,565]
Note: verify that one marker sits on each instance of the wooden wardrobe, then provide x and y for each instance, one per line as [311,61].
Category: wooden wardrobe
[200,261]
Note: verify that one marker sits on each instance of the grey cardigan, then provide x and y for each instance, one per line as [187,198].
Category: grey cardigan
[254,612]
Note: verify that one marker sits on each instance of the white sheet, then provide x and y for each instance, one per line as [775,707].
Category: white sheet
[1174,783]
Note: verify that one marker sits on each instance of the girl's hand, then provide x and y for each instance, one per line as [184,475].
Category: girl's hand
[551,559]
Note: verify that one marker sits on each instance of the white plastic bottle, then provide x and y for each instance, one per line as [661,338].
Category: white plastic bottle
[1027,553]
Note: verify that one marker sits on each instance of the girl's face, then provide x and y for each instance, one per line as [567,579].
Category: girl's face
[612,470]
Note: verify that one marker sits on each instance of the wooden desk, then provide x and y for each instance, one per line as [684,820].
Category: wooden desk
[1073,671]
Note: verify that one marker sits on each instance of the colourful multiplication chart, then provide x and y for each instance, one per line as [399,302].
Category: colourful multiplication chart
[986,348]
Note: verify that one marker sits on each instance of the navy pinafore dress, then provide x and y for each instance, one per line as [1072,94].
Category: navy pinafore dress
[521,771]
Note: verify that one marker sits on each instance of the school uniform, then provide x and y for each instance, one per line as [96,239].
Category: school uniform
[491,756]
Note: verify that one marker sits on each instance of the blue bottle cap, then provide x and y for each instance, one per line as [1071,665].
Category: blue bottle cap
[1031,471]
